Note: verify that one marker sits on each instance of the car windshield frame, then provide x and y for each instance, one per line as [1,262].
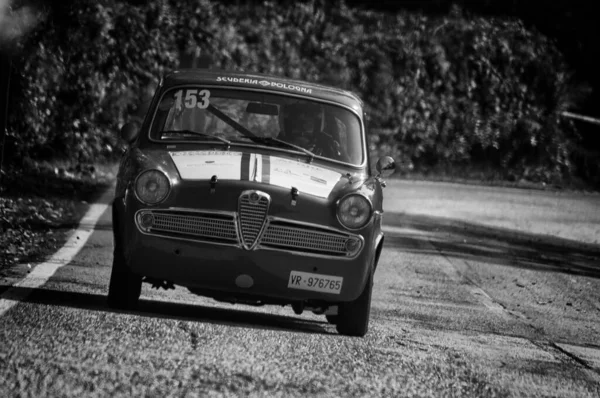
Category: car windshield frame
[258,141]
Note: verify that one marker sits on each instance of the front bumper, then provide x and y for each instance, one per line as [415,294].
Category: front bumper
[205,266]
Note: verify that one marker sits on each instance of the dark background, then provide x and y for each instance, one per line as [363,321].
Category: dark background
[570,24]
[573,24]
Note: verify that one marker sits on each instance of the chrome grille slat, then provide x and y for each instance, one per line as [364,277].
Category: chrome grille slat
[254,208]
[195,225]
[288,236]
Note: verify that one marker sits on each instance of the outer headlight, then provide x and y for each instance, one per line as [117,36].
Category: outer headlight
[152,187]
[354,211]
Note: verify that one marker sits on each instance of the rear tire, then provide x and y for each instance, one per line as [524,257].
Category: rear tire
[353,317]
[333,319]
[125,287]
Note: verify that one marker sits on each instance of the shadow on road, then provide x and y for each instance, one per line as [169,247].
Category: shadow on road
[170,310]
[469,241]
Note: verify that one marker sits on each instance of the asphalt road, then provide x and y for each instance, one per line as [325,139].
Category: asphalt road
[479,292]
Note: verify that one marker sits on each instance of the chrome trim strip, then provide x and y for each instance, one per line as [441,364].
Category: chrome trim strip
[236,220]
[313,255]
[260,194]
[188,210]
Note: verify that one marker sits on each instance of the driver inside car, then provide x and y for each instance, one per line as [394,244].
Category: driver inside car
[303,126]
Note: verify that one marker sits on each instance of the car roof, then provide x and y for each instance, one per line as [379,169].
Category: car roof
[263,81]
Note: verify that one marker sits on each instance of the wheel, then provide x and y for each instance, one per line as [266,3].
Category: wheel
[353,317]
[125,287]
[333,319]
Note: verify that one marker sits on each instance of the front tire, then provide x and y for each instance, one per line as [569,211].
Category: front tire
[353,317]
[125,287]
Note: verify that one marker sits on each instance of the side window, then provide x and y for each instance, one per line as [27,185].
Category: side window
[342,133]
[186,119]
[348,134]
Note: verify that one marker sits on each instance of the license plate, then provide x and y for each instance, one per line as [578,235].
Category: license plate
[315,282]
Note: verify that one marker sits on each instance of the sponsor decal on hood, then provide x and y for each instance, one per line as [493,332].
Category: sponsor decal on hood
[281,172]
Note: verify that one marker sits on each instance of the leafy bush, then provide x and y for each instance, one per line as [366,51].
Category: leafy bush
[81,73]
[449,90]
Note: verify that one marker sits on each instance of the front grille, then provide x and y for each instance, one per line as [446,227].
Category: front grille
[298,237]
[205,226]
[246,229]
[252,216]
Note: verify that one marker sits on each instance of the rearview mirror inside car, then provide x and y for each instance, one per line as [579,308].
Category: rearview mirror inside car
[262,108]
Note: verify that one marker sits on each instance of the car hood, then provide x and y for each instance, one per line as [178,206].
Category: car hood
[278,171]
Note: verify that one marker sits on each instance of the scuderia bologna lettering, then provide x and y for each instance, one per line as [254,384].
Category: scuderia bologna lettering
[265,83]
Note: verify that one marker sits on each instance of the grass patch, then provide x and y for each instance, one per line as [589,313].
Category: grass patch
[41,202]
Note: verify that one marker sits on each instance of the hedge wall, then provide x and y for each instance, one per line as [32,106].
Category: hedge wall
[443,91]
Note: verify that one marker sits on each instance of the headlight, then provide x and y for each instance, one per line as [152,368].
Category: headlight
[152,187]
[354,211]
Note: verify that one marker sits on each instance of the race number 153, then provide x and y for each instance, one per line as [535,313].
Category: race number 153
[193,98]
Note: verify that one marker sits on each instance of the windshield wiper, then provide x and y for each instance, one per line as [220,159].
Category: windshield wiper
[267,140]
[197,133]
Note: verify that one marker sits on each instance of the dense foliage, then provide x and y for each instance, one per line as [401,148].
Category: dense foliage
[441,91]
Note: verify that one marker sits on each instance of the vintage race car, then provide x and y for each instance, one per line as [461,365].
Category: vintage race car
[250,189]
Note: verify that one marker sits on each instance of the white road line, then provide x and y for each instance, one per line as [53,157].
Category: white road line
[44,271]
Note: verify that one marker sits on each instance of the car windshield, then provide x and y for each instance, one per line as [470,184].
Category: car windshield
[228,116]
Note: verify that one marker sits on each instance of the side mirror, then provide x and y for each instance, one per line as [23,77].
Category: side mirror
[386,166]
[129,132]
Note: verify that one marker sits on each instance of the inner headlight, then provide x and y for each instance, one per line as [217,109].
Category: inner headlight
[354,211]
[152,187]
